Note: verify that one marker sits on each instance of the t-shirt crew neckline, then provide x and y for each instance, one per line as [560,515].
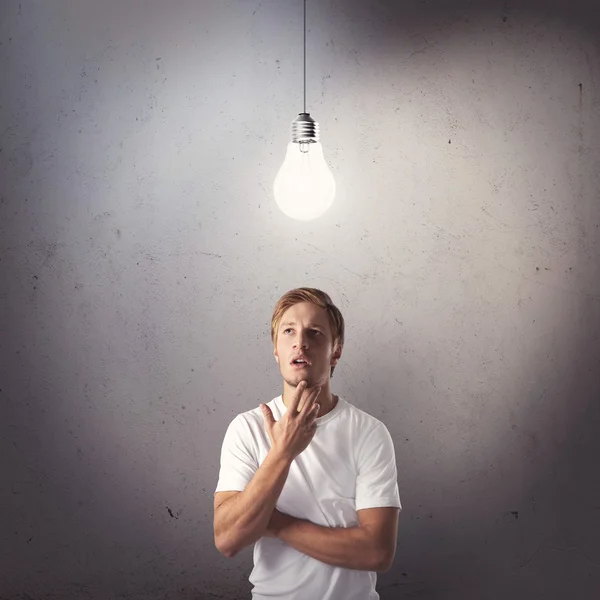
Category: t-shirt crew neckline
[332,414]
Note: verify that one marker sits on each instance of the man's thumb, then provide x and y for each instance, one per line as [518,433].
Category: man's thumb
[267,414]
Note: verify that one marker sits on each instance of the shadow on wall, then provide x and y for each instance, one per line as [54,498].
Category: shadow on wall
[532,499]
[394,18]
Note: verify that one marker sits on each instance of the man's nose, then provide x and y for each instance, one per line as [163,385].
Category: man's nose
[301,341]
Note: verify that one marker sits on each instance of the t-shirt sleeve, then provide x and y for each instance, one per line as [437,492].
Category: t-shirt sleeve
[377,481]
[238,458]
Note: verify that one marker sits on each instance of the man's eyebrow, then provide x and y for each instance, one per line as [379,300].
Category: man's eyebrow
[310,324]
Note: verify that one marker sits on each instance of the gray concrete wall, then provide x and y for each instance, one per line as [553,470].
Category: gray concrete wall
[142,253]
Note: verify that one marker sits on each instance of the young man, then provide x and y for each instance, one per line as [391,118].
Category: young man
[308,478]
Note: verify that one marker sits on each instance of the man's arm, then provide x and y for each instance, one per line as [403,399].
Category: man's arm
[369,547]
[241,518]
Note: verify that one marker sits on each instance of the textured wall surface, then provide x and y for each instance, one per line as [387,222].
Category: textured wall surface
[141,254]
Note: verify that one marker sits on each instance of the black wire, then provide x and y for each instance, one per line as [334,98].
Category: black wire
[304,55]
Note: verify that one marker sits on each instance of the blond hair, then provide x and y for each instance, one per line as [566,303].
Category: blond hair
[304,294]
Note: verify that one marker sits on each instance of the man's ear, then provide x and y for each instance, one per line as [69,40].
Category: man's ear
[337,353]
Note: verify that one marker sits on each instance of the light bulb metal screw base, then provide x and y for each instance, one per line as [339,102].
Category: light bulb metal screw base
[305,130]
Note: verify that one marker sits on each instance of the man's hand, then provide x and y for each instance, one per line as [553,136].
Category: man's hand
[294,431]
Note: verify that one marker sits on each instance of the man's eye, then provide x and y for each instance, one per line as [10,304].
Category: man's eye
[313,330]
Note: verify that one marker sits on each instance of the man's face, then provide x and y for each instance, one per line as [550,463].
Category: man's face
[304,331]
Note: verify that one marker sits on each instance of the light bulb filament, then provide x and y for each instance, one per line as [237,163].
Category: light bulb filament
[304,147]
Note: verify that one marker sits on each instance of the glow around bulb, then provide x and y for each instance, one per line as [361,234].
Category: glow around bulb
[304,186]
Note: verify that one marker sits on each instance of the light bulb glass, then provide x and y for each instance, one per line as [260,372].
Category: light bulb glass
[304,186]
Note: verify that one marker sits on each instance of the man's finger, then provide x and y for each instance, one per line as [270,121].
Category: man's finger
[314,413]
[310,401]
[267,415]
[296,397]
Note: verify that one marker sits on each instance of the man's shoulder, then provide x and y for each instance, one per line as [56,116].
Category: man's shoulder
[251,417]
[362,417]
[248,417]
[246,427]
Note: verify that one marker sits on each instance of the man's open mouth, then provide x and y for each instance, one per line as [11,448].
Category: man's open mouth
[300,363]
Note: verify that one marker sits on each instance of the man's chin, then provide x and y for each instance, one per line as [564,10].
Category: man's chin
[295,381]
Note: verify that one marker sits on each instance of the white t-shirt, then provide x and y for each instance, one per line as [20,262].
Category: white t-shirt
[348,465]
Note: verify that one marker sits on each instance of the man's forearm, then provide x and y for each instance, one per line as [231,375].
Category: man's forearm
[348,547]
[243,519]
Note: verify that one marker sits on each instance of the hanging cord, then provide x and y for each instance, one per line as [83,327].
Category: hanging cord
[304,55]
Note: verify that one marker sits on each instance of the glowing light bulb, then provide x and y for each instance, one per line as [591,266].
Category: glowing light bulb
[304,187]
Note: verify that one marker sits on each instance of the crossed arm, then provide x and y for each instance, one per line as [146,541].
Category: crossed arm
[368,547]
